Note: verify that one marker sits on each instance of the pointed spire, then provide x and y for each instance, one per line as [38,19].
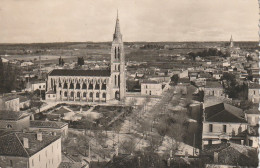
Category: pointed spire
[231,39]
[117,34]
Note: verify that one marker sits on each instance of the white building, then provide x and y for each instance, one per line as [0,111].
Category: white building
[223,123]
[30,150]
[151,88]
[40,85]
[253,92]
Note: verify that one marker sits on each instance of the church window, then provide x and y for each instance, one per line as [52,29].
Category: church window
[65,94]
[90,86]
[71,86]
[77,86]
[59,85]
[84,86]
[118,56]
[72,94]
[90,94]
[78,94]
[118,80]
[84,94]
[97,95]
[104,86]
[104,95]
[97,86]
[65,86]
[115,80]
[115,53]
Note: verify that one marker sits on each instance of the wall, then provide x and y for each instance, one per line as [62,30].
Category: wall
[218,92]
[18,162]
[49,157]
[151,89]
[16,125]
[253,95]
[12,105]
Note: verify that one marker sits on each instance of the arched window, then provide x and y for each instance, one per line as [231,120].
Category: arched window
[97,86]
[60,93]
[77,86]
[84,94]
[71,86]
[118,56]
[115,67]
[90,94]
[59,84]
[118,80]
[97,95]
[9,126]
[84,86]
[65,94]
[115,52]
[90,86]
[115,80]
[104,86]
[78,94]
[104,95]
[65,86]
[72,94]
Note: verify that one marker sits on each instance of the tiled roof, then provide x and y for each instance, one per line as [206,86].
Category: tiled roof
[150,82]
[79,72]
[232,154]
[12,115]
[47,124]
[252,111]
[213,84]
[12,144]
[224,113]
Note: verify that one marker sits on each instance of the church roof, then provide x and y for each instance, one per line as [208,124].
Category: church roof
[79,72]
[47,124]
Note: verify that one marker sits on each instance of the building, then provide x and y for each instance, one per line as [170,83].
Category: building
[223,123]
[10,102]
[30,150]
[37,85]
[12,120]
[214,88]
[253,92]
[252,138]
[91,85]
[151,88]
[60,128]
[231,45]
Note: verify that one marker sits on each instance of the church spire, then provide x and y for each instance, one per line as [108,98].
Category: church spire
[117,34]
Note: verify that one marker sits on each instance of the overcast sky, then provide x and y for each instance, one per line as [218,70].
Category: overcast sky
[28,21]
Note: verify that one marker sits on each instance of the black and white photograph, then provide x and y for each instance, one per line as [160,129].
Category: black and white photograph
[129,83]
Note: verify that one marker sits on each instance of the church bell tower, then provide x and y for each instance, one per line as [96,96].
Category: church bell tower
[118,64]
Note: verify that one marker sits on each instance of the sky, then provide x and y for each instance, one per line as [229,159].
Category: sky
[30,21]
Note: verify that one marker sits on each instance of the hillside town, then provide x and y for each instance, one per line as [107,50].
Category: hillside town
[135,105]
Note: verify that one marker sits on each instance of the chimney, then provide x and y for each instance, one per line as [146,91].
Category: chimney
[25,143]
[54,133]
[215,157]
[39,136]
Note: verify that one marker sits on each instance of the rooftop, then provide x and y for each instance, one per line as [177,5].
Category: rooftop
[223,112]
[47,124]
[213,84]
[79,72]
[12,115]
[252,111]
[12,144]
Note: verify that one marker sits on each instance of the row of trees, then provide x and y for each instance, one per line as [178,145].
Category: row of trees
[208,52]
[9,77]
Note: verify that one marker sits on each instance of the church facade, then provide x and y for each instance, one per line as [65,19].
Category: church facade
[91,85]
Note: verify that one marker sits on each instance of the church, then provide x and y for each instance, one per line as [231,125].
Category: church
[91,85]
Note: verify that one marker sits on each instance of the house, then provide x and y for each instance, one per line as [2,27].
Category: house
[229,155]
[182,85]
[214,88]
[253,92]
[252,138]
[13,120]
[151,88]
[61,128]
[9,102]
[30,150]
[37,85]
[222,123]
